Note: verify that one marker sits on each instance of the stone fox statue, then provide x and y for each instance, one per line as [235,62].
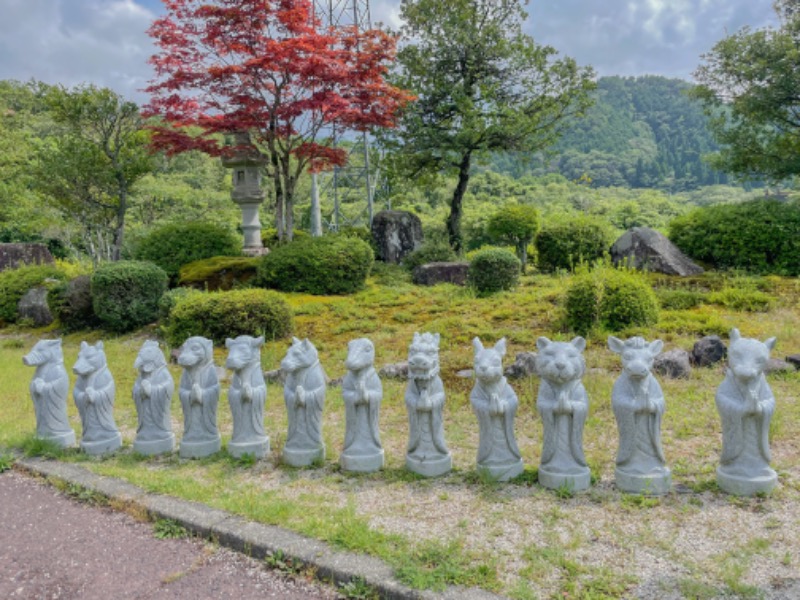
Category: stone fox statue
[152,395]
[304,394]
[638,404]
[49,390]
[495,405]
[362,392]
[94,396]
[746,404]
[247,395]
[427,452]
[563,405]
[199,394]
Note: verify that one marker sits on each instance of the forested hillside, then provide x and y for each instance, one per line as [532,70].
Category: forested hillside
[642,132]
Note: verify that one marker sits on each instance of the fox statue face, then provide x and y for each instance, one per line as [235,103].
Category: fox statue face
[748,357]
[90,359]
[489,361]
[301,355]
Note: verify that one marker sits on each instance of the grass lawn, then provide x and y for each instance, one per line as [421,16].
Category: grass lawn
[517,538]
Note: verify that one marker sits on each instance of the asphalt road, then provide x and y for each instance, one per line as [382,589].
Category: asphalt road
[54,547]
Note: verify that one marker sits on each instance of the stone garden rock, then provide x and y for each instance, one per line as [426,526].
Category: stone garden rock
[304,394]
[647,249]
[94,393]
[246,396]
[524,365]
[776,365]
[745,403]
[638,404]
[396,234]
[394,371]
[199,394]
[441,272]
[18,255]
[49,390]
[708,351]
[563,405]
[495,404]
[152,395]
[674,364]
[33,306]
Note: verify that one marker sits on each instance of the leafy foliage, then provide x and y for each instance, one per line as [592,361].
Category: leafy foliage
[220,315]
[515,224]
[432,250]
[15,283]
[493,270]
[125,294]
[760,236]
[71,303]
[322,265]
[218,272]
[564,244]
[176,244]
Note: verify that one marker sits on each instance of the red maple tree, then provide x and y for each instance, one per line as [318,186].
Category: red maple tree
[265,67]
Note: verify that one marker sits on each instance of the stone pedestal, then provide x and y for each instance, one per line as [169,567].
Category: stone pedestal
[362,463]
[302,457]
[100,447]
[576,482]
[154,447]
[656,484]
[200,449]
[259,449]
[746,486]
[433,466]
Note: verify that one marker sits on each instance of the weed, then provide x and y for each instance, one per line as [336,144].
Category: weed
[697,590]
[245,461]
[6,462]
[42,448]
[357,589]
[167,529]
[640,501]
[528,478]
[279,561]
[82,494]
[434,565]
[565,491]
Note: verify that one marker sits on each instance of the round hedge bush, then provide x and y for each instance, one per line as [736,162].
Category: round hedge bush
[761,236]
[565,244]
[613,299]
[71,303]
[221,315]
[322,265]
[176,244]
[515,224]
[15,283]
[492,270]
[436,250]
[125,294]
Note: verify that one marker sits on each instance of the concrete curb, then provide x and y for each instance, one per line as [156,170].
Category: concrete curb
[254,539]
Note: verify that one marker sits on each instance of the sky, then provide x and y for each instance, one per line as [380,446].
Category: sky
[104,42]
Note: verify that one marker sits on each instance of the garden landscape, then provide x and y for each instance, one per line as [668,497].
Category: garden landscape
[524,202]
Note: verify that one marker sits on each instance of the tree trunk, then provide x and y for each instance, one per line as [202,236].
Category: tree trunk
[119,231]
[456,204]
[523,254]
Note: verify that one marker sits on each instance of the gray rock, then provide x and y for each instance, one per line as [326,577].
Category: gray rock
[94,394]
[362,393]
[304,395]
[33,306]
[746,404]
[524,365]
[708,351]
[441,272]
[246,396]
[638,404]
[275,375]
[794,359]
[49,390]
[199,394]
[647,249]
[18,255]
[776,365]
[152,395]
[396,234]
[674,364]
[395,371]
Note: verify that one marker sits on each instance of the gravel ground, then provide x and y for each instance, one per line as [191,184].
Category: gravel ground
[54,547]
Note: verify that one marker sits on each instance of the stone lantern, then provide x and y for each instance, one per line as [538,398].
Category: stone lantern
[246,162]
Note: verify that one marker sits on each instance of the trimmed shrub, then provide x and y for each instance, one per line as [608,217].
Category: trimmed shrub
[71,303]
[436,250]
[680,299]
[171,298]
[613,299]
[566,244]
[493,270]
[762,236]
[515,224]
[220,315]
[15,283]
[125,294]
[269,237]
[176,244]
[323,265]
[219,272]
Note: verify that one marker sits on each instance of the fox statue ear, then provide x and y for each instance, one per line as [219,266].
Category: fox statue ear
[84,345]
[228,342]
[579,343]
[735,335]
[477,345]
[770,343]
[615,344]
[258,342]
[500,347]
[542,343]
[99,345]
[656,346]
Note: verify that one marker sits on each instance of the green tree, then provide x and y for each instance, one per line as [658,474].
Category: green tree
[89,164]
[515,224]
[749,84]
[482,85]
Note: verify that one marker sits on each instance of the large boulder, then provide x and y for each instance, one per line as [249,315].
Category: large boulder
[441,272]
[708,351]
[396,233]
[647,249]
[33,307]
[673,364]
[13,256]
[523,366]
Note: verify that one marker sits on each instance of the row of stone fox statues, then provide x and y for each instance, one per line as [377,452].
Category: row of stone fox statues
[744,400]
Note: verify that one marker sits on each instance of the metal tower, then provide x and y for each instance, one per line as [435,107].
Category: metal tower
[357,180]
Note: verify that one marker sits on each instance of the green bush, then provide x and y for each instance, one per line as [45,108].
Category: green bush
[269,237]
[565,244]
[219,272]
[515,224]
[71,303]
[15,283]
[743,299]
[125,294]
[493,270]
[323,265]
[761,236]
[171,298]
[435,250]
[176,244]
[680,299]
[220,315]
[613,299]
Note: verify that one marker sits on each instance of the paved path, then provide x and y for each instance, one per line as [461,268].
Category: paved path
[54,547]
